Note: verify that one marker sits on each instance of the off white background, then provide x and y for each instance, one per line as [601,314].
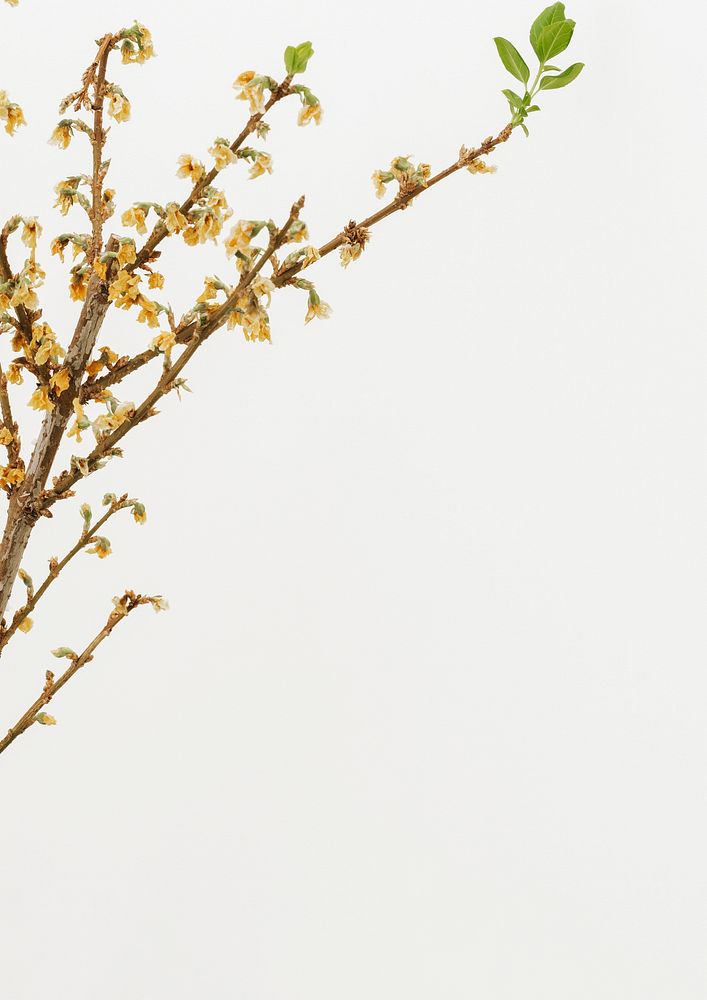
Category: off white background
[427,717]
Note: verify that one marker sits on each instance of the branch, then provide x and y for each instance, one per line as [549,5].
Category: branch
[123,606]
[160,230]
[284,277]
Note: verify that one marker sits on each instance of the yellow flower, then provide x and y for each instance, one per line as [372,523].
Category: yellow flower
[118,106]
[149,312]
[125,290]
[298,232]
[31,233]
[310,255]
[100,269]
[12,475]
[222,154]
[378,182]
[126,252]
[317,308]
[80,422]
[239,237]
[156,280]
[39,400]
[139,513]
[262,164]
[24,295]
[101,548]
[12,115]
[108,202]
[60,382]
[6,437]
[43,342]
[62,135]
[310,113]
[135,217]
[57,248]
[26,625]
[210,290]
[479,167]
[66,196]
[14,375]
[78,286]
[110,356]
[349,252]
[190,168]
[244,79]
[164,342]
[250,91]
[175,221]
[44,719]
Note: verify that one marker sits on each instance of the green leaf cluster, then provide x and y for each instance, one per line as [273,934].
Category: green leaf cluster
[297,57]
[550,34]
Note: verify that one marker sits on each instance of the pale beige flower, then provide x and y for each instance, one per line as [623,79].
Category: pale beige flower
[39,400]
[137,217]
[222,154]
[310,113]
[190,169]
[261,164]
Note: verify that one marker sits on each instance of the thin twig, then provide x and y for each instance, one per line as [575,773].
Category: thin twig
[127,603]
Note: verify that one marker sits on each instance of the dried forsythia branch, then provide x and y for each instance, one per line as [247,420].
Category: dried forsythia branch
[75,383]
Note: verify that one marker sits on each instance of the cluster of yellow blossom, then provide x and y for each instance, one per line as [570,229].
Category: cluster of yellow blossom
[12,3]
[11,114]
[207,217]
[250,314]
[408,176]
[137,45]
[252,88]
[21,290]
[240,236]
[79,243]
[44,349]
[13,474]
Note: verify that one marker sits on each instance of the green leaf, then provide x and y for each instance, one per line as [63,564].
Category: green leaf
[512,59]
[525,129]
[554,39]
[513,99]
[550,15]
[567,76]
[64,651]
[297,57]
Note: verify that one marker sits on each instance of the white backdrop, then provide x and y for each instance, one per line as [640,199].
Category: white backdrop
[427,717]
